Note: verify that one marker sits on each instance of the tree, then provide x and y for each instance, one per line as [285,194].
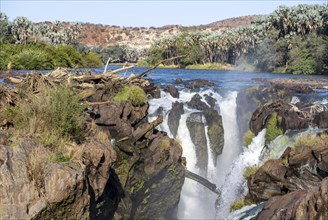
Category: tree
[22,29]
[4,28]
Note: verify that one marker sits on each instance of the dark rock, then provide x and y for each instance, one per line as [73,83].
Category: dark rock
[178,81]
[172,90]
[298,169]
[153,90]
[196,129]
[120,123]
[198,83]
[251,98]
[215,131]
[301,204]
[174,117]
[321,119]
[210,100]
[289,118]
[197,103]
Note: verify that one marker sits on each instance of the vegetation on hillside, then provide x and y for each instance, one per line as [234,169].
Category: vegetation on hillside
[25,45]
[291,40]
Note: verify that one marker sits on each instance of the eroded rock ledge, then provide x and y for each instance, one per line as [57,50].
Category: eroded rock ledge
[124,168]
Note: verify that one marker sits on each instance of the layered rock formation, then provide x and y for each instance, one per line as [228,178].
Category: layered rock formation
[123,169]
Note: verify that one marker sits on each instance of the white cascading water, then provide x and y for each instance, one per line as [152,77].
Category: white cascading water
[197,202]
[235,184]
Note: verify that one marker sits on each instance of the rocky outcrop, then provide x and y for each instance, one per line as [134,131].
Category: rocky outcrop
[294,186]
[32,187]
[213,121]
[289,118]
[122,168]
[196,129]
[199,83]
[301,204]
[172,90]
[174,117]
[197,103]
[215,131]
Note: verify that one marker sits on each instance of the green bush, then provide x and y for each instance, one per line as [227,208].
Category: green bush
[273,130]
[29,59]
[134,94]
[92,60]
[66,113]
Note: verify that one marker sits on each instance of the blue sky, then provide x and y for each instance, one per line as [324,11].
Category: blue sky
[140,13]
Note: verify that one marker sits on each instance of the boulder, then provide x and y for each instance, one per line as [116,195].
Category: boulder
[196,129]
[154,91]
[215,131]
[197,103]
[210,101]
[172,90]
[289,118]
[174,117]
[178,81]
[321,119]
[199,83]
[301,204]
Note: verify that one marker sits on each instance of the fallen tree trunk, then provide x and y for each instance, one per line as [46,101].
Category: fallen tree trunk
[203,181]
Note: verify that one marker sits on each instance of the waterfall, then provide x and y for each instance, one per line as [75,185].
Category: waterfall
[197,202]
[235,185]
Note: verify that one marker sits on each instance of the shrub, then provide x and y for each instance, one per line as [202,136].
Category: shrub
[238,204]
[29,59]
[248,137]
[66,113]
[250,171]
[92,60]
[54,112]
[134,94]
[272,128]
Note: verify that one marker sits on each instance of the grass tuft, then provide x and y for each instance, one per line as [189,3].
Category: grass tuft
[238,204]
[134,94]
[248,137]
[272,128]
[250,171]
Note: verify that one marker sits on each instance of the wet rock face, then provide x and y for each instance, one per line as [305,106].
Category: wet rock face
[172,90]
[213,120]
[154,91]
[174,117]
[301,204]
[197,103]
[215,131]
[199,83]
[196,129]
[151,179]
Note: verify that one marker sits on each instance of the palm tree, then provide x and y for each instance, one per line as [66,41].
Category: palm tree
[22,29]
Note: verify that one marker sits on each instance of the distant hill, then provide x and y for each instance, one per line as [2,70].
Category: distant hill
[141,37]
